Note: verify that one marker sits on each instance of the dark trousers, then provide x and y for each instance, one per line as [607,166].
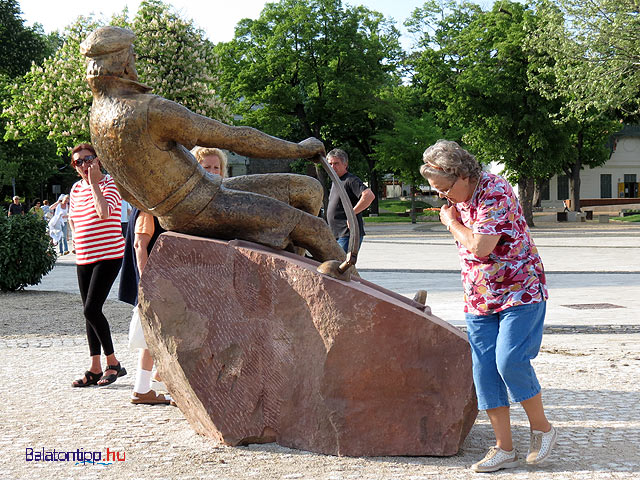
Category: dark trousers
[95,281]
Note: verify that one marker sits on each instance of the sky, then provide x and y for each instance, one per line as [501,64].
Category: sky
[217,19]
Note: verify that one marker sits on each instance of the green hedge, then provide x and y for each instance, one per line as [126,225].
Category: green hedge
[26,252]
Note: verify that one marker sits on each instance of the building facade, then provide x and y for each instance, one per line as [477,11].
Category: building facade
[618,178]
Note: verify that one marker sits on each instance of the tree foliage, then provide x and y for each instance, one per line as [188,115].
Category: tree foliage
[26,253]
[595,46]
[174,58]
[399,148]
[590,116]
[20,48]
[313,68]
[474,64]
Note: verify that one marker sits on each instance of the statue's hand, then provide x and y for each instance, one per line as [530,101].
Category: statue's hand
[314,148]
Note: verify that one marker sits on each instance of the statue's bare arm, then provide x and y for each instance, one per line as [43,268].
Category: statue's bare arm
[171,122]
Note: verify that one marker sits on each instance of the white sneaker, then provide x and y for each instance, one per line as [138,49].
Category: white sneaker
[541,445]
[497,459]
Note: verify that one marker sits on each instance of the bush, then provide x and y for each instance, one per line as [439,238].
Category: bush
[26,252]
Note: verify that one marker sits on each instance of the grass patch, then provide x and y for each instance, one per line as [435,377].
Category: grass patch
[391,207]
[395,205]
[393,218]
[628,218]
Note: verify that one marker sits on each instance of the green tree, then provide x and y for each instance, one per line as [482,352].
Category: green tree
[476,66]
[29,165]
[174,58]
[313,68]
[589,120]
[595,45]
[26,252]
[399,149]
[20,45]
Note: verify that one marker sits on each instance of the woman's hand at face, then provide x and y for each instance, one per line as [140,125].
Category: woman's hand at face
[94,173]
[448,214]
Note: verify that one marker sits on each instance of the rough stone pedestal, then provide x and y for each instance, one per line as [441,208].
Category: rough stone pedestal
[256,346]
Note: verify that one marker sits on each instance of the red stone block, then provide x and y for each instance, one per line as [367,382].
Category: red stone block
[256,346]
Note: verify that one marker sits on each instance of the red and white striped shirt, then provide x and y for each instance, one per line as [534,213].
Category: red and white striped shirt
[96,239]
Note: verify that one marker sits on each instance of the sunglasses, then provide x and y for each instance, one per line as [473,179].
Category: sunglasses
[80,161]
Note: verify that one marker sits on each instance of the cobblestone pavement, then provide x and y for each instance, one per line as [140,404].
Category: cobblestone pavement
[589,367]
[590,391]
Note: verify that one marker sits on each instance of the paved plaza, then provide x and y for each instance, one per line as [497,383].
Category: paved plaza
[589,368]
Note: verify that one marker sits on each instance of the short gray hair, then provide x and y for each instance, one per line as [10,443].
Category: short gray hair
[339,153]
[449,160]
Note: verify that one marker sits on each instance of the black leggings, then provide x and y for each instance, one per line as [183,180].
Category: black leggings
[95,281]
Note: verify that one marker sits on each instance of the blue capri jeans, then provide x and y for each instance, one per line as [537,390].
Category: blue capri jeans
[502,346]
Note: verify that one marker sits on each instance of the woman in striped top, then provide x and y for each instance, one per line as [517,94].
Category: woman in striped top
[94,215]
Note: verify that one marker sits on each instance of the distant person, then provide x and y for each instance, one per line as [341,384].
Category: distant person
[37,210]
[213,160]
[139,243]
[95,218]
[58,225]
[505,295]
[15,208]
[145,230]
[360,195]
[46,209]
[125,212]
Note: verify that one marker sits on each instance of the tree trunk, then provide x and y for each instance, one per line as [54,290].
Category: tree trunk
[574,177]
[413,204]
[525,192]
[374,185]
[537,195]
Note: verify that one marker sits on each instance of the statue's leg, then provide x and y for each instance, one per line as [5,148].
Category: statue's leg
[314,234]
[258,218]
[306,194]
[299,191]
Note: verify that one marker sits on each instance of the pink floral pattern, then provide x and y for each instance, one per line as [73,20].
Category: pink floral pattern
[513,273]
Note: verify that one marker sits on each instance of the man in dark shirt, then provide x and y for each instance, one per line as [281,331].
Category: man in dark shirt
[15,208]
[360,195]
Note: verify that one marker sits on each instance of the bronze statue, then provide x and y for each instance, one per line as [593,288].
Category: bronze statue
[144,140]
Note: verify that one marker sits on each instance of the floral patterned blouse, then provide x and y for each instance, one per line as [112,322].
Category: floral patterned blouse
[513,273]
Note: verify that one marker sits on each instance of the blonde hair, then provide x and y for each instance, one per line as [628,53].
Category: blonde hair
[201,152]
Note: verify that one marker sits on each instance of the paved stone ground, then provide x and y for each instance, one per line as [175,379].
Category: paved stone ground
[590,388]
[590,391]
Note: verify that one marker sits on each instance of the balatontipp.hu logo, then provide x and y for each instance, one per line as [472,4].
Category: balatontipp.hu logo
[78,456]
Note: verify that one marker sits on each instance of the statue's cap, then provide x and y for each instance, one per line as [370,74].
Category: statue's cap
[105,40]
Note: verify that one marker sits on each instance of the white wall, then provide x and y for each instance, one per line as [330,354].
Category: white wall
[625,159]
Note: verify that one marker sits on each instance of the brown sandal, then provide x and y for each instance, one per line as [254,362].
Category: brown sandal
[150,398]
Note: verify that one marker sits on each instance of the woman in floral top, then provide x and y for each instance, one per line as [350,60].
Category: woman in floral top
[505,296]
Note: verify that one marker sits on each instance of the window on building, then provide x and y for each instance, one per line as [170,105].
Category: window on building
[563,187]
[545,194]
[605,185]
[630,185]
